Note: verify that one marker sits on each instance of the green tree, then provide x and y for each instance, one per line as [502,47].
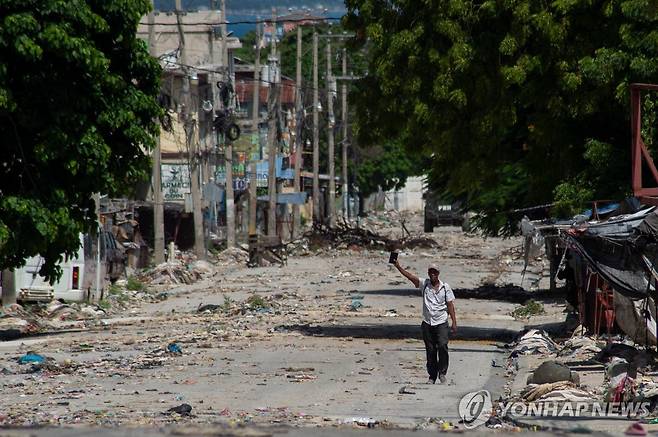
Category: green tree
[385,166]
[78,111]
[517,102]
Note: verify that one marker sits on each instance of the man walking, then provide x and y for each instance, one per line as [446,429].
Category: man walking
[438,303]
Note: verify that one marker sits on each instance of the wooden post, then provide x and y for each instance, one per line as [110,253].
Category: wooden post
[296,222]
[156,176]
[271,132]
[316,135]
[190,140]
[331,122]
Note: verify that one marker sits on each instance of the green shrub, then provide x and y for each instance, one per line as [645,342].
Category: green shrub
[135,285]
[530,308]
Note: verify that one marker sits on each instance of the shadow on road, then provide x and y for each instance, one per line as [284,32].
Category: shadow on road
[509,293]
[397,332]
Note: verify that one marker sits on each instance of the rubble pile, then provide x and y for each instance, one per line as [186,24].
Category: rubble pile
[16,321]
[359,238]
[232,256]
[582,369]
[534,342]
[171,273]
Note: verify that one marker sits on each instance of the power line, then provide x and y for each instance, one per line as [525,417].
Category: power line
[247,79]
[219,23]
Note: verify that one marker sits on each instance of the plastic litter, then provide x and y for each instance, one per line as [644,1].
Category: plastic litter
[182,409]
[31,359]
[174,348]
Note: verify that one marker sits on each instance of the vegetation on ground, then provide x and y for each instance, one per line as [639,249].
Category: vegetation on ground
[528,309]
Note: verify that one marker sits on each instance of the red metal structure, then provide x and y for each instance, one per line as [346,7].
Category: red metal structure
[639,152]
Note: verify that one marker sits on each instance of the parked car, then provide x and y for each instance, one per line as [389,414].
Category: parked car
[439,212]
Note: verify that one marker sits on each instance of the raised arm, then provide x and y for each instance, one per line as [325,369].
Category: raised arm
[410,276]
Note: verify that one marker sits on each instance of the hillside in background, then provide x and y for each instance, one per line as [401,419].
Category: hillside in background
[251,10]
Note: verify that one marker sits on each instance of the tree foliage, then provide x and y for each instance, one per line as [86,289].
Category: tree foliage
[518,102]
[385,166]
[78,100]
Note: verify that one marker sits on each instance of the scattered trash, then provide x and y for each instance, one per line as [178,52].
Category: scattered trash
[175,272]
[174,348]
[182,409]
[562,391]
[535,342]
[31,358]
[363,421]
[208,307]
[580,348]
[406,391]
[636,428]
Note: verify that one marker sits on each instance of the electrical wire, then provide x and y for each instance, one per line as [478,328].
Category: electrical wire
[248,79]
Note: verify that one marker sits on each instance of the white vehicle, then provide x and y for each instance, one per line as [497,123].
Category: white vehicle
[32,287]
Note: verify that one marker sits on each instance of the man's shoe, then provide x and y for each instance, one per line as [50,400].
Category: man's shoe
[442,378]
[431,381]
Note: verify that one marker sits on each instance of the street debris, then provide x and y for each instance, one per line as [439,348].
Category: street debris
[579,348]
[174,348]
[553,371]
[31,358]
[534,342]
[637,429]
[171,273]
[182,409]
[561,391]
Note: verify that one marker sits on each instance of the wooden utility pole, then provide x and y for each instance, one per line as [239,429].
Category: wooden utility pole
[346,205]
[316,135]
[271,132]
[189,124]
[331,122]
[298,134]
[156,176]
[228,154]
[253,177]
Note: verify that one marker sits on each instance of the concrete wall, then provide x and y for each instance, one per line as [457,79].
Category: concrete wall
[408,198]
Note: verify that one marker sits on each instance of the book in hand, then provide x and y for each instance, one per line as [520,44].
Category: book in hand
[393,258]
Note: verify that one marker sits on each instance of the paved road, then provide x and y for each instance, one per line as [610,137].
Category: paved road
[312,362]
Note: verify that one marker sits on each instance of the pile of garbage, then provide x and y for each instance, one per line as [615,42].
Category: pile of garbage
[534,341]
[232,256]
[16,322]
[176,272]
[21,320]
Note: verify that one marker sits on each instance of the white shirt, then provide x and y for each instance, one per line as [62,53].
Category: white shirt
[435,301]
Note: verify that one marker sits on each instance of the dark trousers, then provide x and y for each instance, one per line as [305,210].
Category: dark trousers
[436,344]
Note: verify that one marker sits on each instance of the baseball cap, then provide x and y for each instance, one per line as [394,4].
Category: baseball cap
[433,266]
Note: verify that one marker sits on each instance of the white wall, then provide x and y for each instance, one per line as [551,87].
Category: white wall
[408,198]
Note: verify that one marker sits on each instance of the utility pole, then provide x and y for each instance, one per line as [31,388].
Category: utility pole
[189,124]
[298,134]
[228,154]
[253,177]
[331,121]
[346,205]
[156,176]
[271,132]
[316,135]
